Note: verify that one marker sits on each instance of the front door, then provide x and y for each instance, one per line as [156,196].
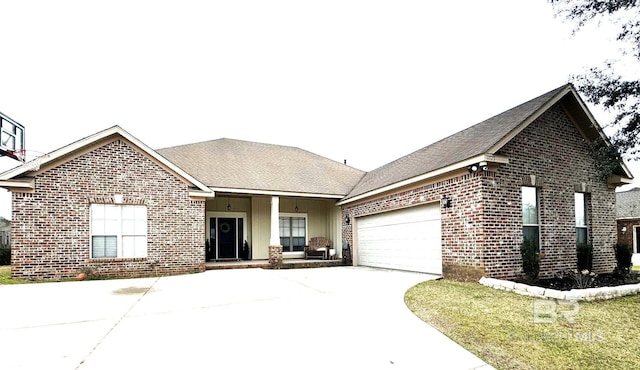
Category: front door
[226,238]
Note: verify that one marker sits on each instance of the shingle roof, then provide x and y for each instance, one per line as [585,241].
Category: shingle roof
[628,203]
[469,143]
[237,164]
[114,132]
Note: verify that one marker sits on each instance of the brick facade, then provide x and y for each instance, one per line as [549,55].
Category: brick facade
[50,233]
[625,231]
[482,231]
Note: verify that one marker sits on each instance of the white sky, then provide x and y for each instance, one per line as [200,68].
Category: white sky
[367,81]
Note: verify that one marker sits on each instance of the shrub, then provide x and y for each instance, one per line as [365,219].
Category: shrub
[579,279]
[585,256]
[530,258]
[5,255]
[623,256]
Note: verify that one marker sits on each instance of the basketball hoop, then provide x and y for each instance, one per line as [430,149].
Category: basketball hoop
[30,158]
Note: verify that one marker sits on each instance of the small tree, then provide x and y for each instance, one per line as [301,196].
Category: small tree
[623,257]
[530,258]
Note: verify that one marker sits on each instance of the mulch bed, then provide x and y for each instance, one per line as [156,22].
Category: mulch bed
[601,280]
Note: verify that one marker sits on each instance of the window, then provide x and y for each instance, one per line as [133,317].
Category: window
[293,233]
[530,215]
[118,231]
[582,236]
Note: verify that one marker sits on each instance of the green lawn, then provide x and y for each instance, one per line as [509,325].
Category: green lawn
[498,327]
[5,277]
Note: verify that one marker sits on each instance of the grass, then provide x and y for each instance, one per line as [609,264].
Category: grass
[498,327]
[5,277]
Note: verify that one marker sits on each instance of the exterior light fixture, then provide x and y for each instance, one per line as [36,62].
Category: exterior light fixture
[478,166]
[296,209]
[347,220]
[228,205]
[445,202]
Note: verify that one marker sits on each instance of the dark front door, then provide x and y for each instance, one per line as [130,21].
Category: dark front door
[637,239]
[227,238]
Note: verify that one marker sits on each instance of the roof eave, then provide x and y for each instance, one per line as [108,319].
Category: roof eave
[18,185]
[617,180]
[82,143]
[197,193]
[487,157]
[241,191]
[582,109]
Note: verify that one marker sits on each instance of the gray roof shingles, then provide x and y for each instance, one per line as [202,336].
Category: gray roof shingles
[227,163]
[468,143]
[628,203]
[237,164]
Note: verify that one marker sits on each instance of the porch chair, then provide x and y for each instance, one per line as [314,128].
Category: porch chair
[319,247]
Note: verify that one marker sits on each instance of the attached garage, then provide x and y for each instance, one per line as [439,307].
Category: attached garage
[407,239]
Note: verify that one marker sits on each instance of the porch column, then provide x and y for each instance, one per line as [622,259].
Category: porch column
[275,249]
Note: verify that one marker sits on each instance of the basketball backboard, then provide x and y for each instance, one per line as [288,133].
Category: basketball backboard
[11,138]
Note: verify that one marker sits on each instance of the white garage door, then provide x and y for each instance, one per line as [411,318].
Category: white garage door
[407,239]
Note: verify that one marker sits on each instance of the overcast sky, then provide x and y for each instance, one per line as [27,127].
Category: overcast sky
[367,81]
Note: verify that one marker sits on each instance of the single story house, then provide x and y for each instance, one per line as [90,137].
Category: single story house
[459,207]
[628,208]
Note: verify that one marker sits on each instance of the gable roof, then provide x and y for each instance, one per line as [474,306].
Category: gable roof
[628,204]
[248,167]
[475,144]
[11,177]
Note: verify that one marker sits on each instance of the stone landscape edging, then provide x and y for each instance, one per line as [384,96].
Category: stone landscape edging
[590,294]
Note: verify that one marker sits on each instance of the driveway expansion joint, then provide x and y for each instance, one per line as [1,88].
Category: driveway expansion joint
[115,325]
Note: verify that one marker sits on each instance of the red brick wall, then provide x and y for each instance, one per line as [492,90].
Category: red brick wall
[552,149]
[482,231]
[50,232]
[626,237]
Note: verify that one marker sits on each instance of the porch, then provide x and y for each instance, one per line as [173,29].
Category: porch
[290,263]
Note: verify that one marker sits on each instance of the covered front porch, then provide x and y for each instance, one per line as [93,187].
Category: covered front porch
[240,228]
[289,263]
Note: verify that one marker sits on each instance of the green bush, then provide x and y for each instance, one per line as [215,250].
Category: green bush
[530,258]
[5,255]
[585,256]
[623,256]
[579,279]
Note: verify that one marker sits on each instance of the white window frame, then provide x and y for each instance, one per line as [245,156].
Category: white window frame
[306,228]
[537,193]
[127,223]
[585,205]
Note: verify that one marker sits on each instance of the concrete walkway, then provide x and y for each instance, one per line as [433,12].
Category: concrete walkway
[339,317]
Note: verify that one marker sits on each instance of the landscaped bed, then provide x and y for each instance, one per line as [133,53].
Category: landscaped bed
[498,326]
[599,281]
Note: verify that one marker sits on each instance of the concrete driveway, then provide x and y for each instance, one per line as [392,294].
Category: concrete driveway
[339,317]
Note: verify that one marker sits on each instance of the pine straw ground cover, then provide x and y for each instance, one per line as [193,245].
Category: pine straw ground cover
[499,327]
